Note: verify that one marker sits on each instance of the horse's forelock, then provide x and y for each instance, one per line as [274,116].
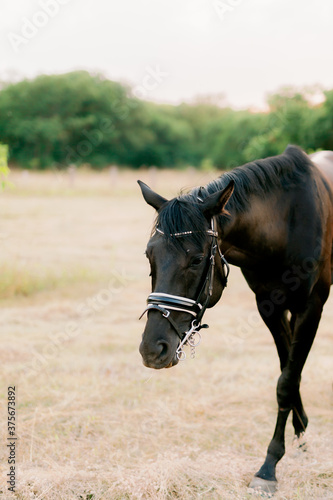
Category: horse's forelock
[180,215]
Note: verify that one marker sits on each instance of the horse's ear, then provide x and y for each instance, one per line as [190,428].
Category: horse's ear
[215,203]
[152,198]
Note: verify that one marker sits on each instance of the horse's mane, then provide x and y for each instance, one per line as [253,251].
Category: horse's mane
[260,178]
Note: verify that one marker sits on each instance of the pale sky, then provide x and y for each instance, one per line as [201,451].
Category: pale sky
[174,50]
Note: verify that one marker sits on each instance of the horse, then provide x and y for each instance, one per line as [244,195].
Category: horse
[273,218]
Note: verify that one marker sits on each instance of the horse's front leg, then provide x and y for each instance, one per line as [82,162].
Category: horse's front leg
[282,331]
[288,396]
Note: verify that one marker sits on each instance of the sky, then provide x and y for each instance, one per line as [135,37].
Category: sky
[238,51]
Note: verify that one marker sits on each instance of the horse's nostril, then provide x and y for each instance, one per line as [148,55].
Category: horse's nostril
[163,348]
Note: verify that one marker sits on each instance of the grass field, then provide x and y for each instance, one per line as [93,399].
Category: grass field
[92,421]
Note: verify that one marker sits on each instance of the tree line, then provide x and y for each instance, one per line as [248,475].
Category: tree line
[78,118]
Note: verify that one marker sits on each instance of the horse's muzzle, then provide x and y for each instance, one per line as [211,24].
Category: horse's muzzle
[158,355]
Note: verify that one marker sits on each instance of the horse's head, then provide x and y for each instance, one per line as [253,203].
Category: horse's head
[187,270]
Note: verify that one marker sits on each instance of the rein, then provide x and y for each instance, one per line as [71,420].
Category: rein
[165,302]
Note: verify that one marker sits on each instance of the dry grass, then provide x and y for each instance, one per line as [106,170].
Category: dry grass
[93,423]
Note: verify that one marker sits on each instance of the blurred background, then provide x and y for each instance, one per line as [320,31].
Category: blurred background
[93,96]
[167,84]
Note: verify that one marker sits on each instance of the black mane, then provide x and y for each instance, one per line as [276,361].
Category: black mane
[260,177]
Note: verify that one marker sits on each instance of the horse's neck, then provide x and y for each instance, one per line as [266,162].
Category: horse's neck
[255,235]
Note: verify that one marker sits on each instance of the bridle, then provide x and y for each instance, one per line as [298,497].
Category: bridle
[165,302]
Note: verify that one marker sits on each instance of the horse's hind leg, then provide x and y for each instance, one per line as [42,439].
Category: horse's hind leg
[300,419]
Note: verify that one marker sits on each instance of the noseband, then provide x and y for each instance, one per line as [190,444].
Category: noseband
[165,303]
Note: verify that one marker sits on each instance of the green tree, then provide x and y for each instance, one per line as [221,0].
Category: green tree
[4,170]
[69,118]
[57,120]
[323,123]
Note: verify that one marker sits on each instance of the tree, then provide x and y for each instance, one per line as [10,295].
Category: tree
[78,118]
[4,170]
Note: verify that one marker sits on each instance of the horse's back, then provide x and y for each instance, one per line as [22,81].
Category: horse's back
[324,161]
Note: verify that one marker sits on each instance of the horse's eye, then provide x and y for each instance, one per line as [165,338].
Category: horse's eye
[196,261]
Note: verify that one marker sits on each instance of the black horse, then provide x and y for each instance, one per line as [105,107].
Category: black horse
[274,219]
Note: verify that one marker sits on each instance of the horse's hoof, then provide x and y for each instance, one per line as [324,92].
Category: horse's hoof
[263,487]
